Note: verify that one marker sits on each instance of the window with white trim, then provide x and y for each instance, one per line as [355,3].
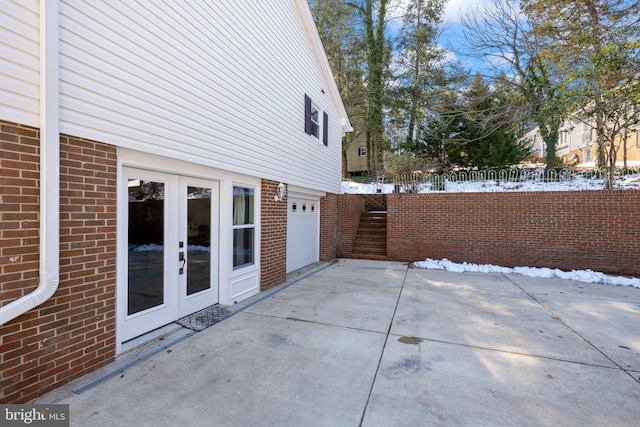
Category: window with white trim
[243,227]
[316,121]
[362,151]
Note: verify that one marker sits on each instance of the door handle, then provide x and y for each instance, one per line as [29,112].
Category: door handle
[184,261]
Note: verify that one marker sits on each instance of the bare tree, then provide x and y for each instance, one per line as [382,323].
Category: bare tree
[342,37]
[502,36]
[597,44]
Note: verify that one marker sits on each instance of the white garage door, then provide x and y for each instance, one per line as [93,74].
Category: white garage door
[303,232]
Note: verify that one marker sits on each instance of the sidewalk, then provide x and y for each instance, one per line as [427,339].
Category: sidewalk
[377,343]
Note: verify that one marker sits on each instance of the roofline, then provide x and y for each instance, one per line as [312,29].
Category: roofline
[318,48]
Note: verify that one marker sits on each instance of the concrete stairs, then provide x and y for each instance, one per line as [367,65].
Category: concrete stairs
[371,238]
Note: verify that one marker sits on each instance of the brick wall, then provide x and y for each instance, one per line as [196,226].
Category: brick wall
[74,331]
[328,227]
[349,209]
[568,230]
[273,244]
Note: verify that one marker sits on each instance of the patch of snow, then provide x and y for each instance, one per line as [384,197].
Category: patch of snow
[583,276]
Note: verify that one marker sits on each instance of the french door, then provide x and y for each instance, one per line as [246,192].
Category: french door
[169,264]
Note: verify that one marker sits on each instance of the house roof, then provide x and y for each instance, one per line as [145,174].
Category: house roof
[318,49]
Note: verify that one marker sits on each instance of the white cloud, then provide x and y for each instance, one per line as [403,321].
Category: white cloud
[455,8]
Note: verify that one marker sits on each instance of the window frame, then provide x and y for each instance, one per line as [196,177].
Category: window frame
[249,223]
[316,120]
[362,151]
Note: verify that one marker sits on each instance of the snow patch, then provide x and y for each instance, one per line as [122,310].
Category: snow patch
[583,276]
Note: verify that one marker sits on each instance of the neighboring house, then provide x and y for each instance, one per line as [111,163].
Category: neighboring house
[577,144]
[357,155]
[157,158]
[538,147]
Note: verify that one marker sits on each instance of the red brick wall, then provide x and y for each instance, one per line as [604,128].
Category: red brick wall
[568,230]
[328,227]
[273,244]
[73,332]
[349,209]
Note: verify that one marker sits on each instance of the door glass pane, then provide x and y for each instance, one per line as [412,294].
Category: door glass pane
[198,239]
[146,245]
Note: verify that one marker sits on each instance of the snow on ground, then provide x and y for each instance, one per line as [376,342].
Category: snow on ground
[584,276]
[578,183]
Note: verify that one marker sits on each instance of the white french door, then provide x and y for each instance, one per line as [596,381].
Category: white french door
[197,245]
[168,255]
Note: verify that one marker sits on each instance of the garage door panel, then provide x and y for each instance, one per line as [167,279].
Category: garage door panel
[303,233]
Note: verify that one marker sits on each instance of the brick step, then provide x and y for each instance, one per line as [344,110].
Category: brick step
[374,219]
[369,226]
[374,240]
[373,233]
[370,251]
[369,256]
[371,237]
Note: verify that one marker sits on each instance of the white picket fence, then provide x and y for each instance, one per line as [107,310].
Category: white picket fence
[507,180]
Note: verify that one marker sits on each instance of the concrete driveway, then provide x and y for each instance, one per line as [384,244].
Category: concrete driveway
[375,343]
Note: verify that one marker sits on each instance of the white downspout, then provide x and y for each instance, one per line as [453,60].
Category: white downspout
[49,167]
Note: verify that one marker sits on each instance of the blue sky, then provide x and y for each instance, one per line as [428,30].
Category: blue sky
[452,38]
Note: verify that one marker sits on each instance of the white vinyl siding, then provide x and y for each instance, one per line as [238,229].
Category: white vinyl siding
[219,84]
[19,62]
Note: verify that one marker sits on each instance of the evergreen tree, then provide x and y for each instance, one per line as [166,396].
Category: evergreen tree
[419,59]
[475,132]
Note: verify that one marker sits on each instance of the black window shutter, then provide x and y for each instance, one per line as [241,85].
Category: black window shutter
[325,129]
[307,115]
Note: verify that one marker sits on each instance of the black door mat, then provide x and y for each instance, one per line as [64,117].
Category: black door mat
[204,318]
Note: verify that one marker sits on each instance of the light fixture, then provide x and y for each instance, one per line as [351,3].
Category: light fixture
[281,191]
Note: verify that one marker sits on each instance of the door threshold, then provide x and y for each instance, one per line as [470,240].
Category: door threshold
[156,335]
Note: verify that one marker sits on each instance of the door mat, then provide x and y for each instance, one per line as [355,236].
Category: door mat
[204,318]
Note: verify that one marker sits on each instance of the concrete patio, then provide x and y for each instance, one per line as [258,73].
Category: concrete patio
[376,343]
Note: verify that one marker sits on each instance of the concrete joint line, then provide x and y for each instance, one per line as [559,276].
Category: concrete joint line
[384,345]
[555,316]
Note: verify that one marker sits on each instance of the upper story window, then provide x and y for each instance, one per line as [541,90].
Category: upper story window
[362,151]
[316,121]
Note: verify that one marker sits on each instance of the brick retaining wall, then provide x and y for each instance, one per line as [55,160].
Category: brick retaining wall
[595,230]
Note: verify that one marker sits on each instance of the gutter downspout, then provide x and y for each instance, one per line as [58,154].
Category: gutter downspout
[49,167]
